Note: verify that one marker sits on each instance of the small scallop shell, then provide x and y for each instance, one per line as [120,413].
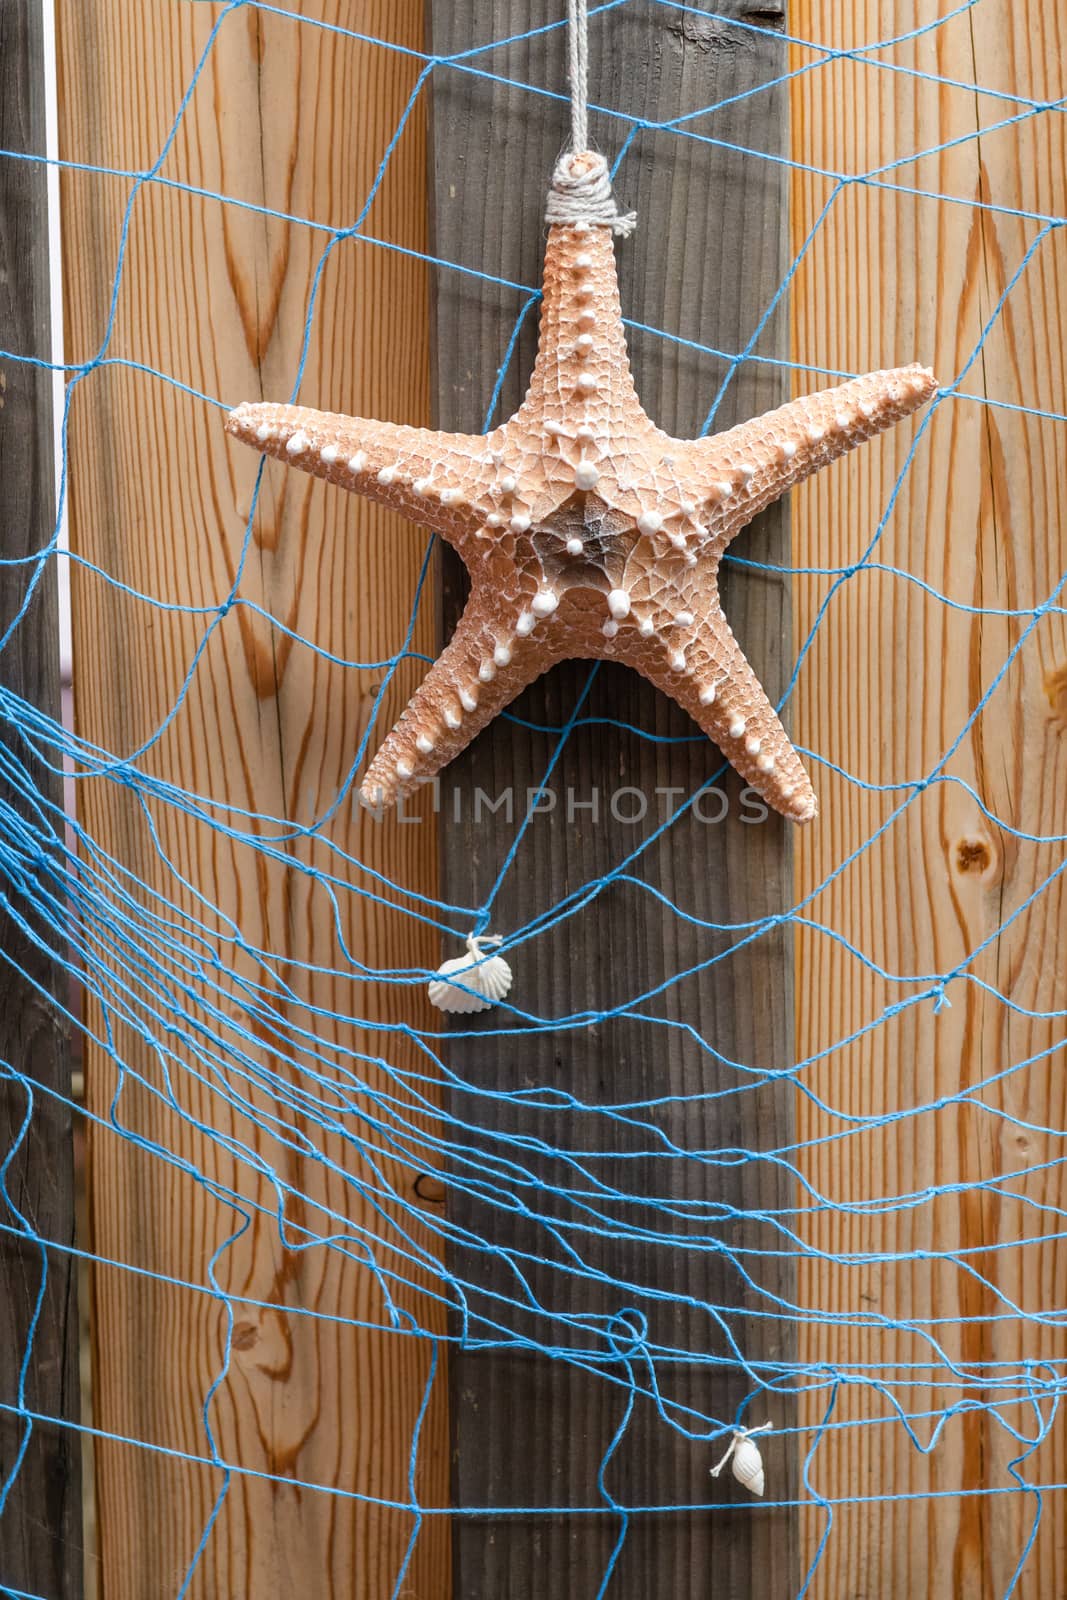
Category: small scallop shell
[747,1465]
[489,977]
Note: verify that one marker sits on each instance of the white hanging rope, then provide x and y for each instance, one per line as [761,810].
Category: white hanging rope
[578,40]
[581,187]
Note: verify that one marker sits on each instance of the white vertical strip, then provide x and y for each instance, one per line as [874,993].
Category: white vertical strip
[55,269]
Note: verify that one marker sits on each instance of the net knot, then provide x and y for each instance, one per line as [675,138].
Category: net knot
[627,1334]
[581,192]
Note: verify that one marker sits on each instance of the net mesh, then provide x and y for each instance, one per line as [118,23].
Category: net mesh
[250,1007]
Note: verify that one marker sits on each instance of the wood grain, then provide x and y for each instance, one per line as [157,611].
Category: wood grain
[893,676]
[41,1524]
[529,1431]
[293,118]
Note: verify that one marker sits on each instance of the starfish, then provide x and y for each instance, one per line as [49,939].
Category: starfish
[586,530]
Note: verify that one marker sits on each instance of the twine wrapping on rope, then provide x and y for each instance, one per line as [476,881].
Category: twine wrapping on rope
[581,188]
[581,192]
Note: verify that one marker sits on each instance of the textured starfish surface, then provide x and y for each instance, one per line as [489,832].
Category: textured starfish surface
[587,531]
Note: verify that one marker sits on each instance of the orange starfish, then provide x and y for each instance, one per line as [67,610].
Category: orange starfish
[586,530]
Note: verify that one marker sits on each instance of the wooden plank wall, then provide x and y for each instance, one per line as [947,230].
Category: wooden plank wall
[893,676]
[708,253]
[40,1526]
[295,118]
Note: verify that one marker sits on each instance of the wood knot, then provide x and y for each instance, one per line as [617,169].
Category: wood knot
[716,33]
[245,1335]
[429,1190]
[706,34]
[1056,692]
[767,16]
[974,854]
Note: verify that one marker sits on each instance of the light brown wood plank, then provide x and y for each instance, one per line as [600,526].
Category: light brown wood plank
[293,118]
[892,677]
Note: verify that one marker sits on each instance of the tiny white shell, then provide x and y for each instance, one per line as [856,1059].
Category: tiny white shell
[745,1459]
[748,1465]
[485,979]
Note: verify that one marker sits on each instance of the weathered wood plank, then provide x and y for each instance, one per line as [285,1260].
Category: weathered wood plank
[40,1528]
[528,1431]
[293,118]
[892,678]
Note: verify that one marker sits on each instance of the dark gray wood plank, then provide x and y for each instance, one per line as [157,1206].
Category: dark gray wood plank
[41,1527]
[529,1430]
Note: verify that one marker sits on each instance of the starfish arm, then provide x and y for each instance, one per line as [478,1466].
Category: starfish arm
[752,465]
[480,671]
[715,684]
[437,479]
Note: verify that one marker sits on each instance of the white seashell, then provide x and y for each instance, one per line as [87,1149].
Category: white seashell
[485,979]
[747,1463]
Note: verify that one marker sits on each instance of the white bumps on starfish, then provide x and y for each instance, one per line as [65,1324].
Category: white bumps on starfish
[586,530]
